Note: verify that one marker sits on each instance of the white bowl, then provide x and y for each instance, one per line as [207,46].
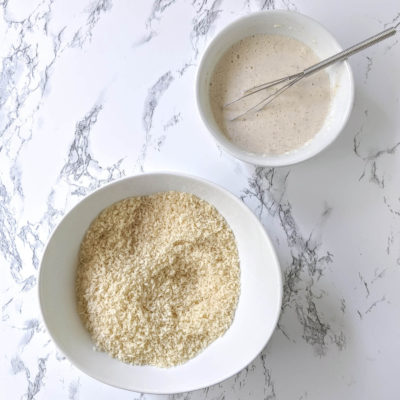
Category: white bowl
[255,318]
[304,29]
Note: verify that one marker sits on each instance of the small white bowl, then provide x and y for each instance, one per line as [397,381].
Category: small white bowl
[304,29]
[256,314]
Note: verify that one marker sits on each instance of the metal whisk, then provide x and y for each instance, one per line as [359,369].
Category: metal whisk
[293,79]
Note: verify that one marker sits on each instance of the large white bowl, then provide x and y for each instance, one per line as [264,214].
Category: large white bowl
[256,315]
[304,29]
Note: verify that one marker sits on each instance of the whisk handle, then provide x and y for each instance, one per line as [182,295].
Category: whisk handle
[350,51]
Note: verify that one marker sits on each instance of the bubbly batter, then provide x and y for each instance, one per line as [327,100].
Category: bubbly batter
[289,121]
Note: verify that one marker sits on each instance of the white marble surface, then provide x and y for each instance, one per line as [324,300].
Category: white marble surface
[92,91]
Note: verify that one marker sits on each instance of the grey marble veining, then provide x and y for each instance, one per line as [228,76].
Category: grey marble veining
[96,90]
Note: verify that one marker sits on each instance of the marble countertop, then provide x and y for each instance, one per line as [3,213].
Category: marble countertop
[91,91]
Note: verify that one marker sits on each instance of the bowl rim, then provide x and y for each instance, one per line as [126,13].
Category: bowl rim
[258,159]
[214,186]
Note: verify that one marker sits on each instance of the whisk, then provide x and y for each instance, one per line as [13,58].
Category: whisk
[293,79]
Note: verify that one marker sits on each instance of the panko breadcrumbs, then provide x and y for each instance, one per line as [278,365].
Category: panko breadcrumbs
[158,278]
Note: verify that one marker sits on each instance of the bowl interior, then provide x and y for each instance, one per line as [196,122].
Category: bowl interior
[306,30]
[255,319]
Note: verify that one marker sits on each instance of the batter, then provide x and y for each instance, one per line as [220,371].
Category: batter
[288,122]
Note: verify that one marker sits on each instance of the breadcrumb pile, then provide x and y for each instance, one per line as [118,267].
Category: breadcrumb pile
[158,278]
